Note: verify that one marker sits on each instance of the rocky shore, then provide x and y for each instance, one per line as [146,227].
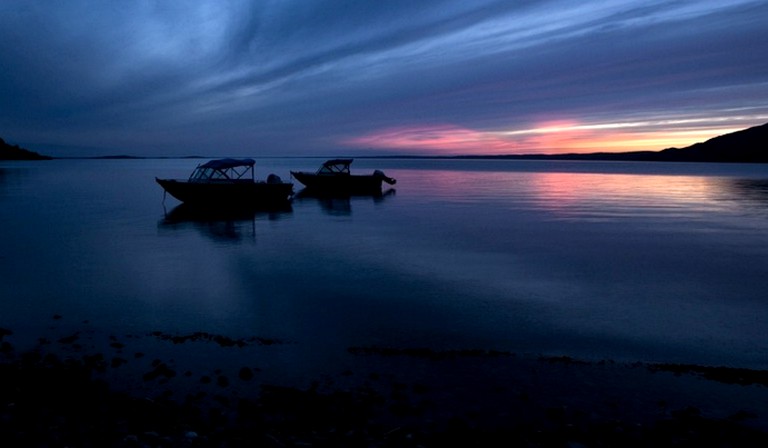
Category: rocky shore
[61,394]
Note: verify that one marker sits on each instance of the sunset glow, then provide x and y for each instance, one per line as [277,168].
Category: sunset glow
[554,137]
[370,78]
[437,140]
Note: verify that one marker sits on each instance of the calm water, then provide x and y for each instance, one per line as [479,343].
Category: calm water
[629,261]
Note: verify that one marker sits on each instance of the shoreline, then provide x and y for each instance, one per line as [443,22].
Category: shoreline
[60,393]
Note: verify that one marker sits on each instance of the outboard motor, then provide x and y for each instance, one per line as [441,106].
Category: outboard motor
[380,174]
[274,179]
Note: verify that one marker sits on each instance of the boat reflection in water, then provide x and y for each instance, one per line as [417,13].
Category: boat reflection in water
[340,204]
[222,224]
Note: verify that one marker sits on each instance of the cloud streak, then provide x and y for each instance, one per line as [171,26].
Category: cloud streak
[337,77]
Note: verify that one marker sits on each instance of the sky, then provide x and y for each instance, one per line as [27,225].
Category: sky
[379,77]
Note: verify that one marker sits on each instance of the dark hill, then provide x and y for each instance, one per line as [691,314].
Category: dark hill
[8,152]
[745,146]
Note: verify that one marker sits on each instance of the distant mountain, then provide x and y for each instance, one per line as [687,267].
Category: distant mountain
[745,146]
[8,152]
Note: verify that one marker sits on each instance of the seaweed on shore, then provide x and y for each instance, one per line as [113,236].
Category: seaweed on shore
[48,400]
[222,341]
[426,353]
[729,375]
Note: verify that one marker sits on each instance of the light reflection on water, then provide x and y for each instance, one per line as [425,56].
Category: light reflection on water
[634,261]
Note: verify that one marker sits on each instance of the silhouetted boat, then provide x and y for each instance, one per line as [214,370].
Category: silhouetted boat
[334,176]
[228,182]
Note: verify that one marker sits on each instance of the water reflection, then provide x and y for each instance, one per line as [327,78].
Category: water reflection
[222,224]
[339,204]
[754,189]
[745,197]
[609,197]
[10,177]
[625,263]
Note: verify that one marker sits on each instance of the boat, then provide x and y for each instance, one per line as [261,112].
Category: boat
[334,176]
[228,182]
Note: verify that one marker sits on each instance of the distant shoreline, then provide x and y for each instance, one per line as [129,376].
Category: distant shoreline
[745,146]
[645,156]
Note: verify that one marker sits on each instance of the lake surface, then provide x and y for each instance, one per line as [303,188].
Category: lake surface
[596,260]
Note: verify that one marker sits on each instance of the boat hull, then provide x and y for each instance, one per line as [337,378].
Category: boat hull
[339,183]
[228,193]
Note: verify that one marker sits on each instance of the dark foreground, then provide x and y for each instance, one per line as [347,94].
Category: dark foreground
[388,397]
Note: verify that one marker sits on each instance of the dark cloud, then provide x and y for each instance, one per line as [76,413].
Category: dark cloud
[291,77]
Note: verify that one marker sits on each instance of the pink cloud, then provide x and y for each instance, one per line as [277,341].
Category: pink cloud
[547,137]
[441,139]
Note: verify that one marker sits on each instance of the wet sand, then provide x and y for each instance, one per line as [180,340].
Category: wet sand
[63,394]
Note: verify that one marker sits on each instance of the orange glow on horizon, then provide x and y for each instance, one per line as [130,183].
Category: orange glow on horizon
[551,137]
